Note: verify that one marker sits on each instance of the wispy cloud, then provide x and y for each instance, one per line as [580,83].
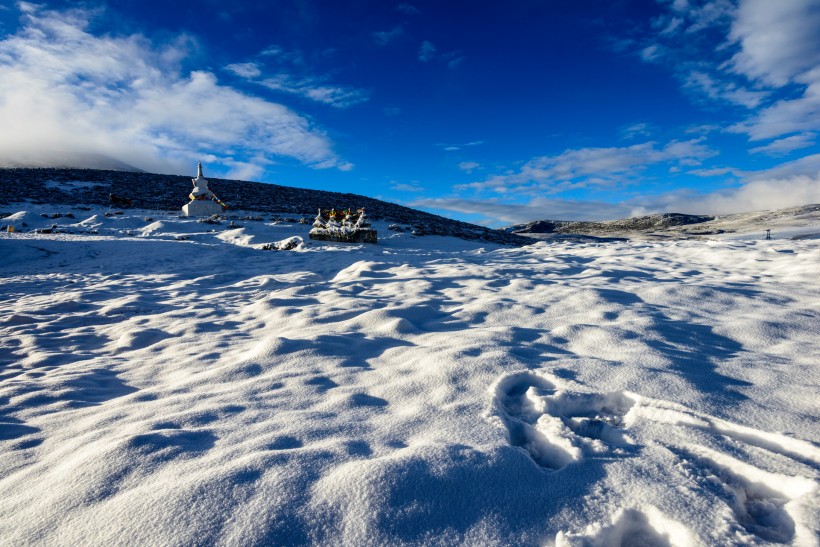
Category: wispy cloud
[717,90]
[245,70]
[384,37]
[315,90]
[402,187]
[427,51]
[636,130]
[453,147]
[468,166]
[587,167]
[805,166]
[786,145]
[768,63]
[651,53]
[713,172]
[292,74]
[407,9]
[64,88]
[780,46]
[779,41]
[496,213]
[787,185]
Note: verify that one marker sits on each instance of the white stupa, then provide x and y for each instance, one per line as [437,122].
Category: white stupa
[203,202]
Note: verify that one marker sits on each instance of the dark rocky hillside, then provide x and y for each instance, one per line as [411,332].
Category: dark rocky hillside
[169,192]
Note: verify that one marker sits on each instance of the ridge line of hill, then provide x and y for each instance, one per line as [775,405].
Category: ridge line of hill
[169,192]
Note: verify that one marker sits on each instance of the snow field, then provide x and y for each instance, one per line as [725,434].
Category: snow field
[155,389]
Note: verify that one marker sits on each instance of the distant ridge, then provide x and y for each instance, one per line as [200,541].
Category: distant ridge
[65,160]
[169,193]
[677,225]
[633,224]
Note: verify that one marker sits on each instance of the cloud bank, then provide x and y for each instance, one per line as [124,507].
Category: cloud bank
[788,184]
[588,167]
[65,90]
[761,191]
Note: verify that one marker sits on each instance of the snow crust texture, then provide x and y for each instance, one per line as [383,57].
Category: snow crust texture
[164,381]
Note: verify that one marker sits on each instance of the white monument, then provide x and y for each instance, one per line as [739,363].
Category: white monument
[203,202]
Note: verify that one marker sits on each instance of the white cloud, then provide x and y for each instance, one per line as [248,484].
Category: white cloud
[584,167]
[788,185]
[768,62]
[779,39]
[636,130]
[453,147]
[714,172]
[755,195]
[455,62]
[805,166]
[723,90]
[780,46]
[63,88]
[708,14]
[468,166]
[309,88]
[407,9]
[245,70]
[386,36]
[497,213]
[786,116]
[786,145]
[427,51]
[314,88]
[651,52]
[401,187]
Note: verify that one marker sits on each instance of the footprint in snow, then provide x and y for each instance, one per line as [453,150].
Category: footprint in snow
[558,428]
[644,527]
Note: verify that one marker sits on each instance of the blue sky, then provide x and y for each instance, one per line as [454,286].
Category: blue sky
[492,112]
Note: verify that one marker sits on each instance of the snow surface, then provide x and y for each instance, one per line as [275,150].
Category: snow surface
[165,381]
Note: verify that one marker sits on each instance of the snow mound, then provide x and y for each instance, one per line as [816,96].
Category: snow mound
[168,381]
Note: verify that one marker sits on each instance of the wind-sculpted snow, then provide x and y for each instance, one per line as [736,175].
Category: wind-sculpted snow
[180,385]
[558,428]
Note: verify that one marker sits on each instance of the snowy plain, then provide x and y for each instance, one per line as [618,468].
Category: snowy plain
[165,381]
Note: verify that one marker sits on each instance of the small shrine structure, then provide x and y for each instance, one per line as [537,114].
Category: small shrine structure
[345,226]
[204,203]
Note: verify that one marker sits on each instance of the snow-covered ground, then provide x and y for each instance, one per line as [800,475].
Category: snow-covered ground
[167,382]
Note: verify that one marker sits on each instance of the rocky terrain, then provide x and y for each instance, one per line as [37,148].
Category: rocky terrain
[169,193]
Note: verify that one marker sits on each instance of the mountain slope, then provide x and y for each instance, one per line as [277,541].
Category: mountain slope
[803,221]
[169,192]
[67,160]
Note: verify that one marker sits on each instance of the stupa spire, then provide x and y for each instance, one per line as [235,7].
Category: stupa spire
[203,201]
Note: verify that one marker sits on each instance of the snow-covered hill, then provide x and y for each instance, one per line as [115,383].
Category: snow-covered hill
[169,193]
[792,222]
[166,381]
